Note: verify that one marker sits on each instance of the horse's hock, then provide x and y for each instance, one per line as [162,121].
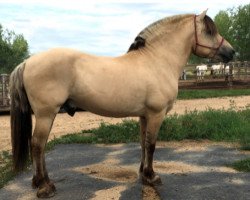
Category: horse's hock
[4,92]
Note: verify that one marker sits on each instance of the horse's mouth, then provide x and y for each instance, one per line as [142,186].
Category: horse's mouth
[226,58]
[226,55]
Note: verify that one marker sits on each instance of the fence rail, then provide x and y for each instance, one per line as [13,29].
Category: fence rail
[236,71]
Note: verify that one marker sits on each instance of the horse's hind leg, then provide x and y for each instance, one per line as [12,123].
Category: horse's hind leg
[153,125]
[40,136]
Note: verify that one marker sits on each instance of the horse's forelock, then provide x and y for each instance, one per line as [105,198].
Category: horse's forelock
[211,28]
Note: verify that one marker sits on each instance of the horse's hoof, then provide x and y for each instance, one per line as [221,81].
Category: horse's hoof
[154,181]
[46,191]
[52,185]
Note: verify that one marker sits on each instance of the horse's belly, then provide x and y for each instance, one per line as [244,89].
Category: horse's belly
[111,106]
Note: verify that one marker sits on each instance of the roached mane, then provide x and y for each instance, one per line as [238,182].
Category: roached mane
[141,38]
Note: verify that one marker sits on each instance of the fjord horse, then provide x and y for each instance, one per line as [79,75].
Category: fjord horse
[143,82]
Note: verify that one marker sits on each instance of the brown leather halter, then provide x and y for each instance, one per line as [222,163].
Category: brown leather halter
[202,45]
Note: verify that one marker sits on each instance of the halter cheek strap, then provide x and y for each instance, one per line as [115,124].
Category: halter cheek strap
[202,45]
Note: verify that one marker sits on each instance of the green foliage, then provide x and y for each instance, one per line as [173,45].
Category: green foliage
[13,50]
[217,125]
[196,59]
[128,131]
[125,132]
[242,165]
[224,25]
[241,31]
[233,24]
[245,142]
[6,173]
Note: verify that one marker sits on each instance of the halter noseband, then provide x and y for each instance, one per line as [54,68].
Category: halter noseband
[204,46]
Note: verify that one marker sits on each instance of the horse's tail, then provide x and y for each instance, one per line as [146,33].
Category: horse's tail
[21,120]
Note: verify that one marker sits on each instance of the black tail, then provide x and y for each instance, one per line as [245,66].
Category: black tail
[21,120]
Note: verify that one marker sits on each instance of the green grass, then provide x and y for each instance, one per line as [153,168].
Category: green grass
[125,132]
[242,165]
[199,94]
[216,125]
[6,172]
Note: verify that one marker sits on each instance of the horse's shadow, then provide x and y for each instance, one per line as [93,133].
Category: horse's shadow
[67,166]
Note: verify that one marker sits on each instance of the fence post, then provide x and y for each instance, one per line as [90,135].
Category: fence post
[248,69]
[1,89]
[230,74]
[245,70]
[238,67]
[5,97]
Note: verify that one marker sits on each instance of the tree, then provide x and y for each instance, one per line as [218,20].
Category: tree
[241,31]
[224,25]
[233,25]
[13,50]
[196,59]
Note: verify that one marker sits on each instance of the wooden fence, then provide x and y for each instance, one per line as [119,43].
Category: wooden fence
[237,71]
[4,92]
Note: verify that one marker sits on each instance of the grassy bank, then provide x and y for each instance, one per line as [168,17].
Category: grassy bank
[200,94]
[215,125]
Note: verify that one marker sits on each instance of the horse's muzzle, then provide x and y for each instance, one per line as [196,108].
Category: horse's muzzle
[226,54]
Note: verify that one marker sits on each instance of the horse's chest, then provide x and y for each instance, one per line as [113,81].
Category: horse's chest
[159,102]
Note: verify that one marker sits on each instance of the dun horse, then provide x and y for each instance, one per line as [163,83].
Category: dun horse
[143,83]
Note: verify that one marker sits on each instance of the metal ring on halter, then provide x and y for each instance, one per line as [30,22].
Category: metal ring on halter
[202,45]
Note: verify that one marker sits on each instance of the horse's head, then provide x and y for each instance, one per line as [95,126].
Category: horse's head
[208,42]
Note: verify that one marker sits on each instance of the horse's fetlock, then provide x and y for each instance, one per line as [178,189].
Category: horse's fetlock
[37,181]
[141,167]
[148,172]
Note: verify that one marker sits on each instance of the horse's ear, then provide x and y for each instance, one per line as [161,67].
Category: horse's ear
[203,14]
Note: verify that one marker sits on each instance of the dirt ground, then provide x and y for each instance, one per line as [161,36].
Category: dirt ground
[64,124]
[189,170]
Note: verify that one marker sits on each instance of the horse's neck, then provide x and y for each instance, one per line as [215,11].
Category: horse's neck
[172,50]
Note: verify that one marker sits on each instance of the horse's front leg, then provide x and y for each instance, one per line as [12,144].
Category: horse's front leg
[153,125]
[143,129]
